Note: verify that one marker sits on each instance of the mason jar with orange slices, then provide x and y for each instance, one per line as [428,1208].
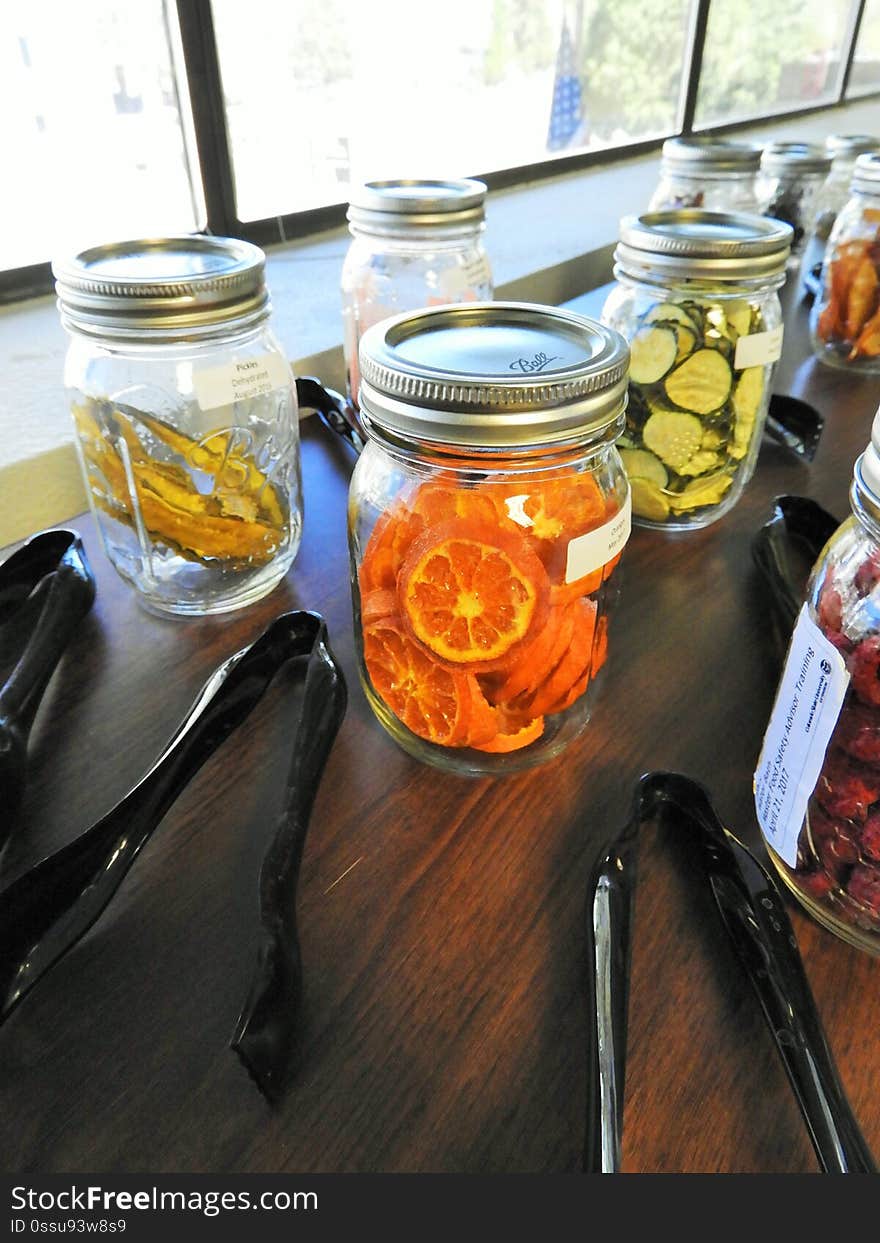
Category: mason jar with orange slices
[487,516]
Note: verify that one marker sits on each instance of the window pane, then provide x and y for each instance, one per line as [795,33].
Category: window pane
[91,126]
[347,90]
[764,58]
[865,71]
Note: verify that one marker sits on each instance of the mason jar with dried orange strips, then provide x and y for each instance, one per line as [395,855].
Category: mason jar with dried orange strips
[487,516]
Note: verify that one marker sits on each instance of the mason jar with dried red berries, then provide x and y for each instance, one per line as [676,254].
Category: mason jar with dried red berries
[817,785]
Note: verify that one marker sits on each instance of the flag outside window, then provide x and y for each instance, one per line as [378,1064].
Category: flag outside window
[567,120]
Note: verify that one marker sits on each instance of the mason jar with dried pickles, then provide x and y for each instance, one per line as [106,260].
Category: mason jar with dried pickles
[185,414]
[487,515]
[696,300]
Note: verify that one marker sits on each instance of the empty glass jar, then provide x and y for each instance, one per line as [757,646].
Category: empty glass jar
[711,173]
[845,318]
[185,414]
[696,300]
[414,244]
[487,515]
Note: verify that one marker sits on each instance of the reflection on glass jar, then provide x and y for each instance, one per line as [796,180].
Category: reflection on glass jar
[830,859]
[487,517]
[414,244]
[186,419]
[711,173]
[696,300]
[845,319]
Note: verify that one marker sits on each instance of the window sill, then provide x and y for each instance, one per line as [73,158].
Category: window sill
[548,242]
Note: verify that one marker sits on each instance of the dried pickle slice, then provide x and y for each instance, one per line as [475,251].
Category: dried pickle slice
[739,317]
[653,352]
[708,490]
[701,463]
[746,401]
[687,341]
[648,501]
[670,312]
[673,436]
[702,383]
[640,464]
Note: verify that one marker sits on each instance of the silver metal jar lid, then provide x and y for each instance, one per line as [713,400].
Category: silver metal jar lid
[163,287]
[703,154]
[866,174]
[800,157]
[493,374]
[850,144]
[396,206]
[691,243]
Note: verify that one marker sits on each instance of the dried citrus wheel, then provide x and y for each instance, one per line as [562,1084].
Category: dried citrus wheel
[430,699]
[553,508]
[470,592]
[439,502]
[376,604]
[481,719]
[535,660]
[574,662]
[524,736]
[387,547]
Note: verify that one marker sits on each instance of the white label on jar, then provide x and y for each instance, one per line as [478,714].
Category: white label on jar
[807,706]
[596,548]
[241,380]
[758,349]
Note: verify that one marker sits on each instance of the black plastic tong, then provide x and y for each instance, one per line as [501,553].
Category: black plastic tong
[47,910]
[46,588]
[753,912]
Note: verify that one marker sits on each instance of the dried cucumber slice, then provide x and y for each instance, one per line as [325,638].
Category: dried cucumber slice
[702,383]
[640,464]
[648,501]
[652,354]
[687,340]
[747,397]
[673,435]
[713,439]
[739,317]
[669,312]
[706,491]
[703,461]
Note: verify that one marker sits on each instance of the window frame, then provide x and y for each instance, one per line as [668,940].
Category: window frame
[201,61]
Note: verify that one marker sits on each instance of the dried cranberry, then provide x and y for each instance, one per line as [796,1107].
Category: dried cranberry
[846,789]
[817,884]
[865,670]
[867,575]
[830,610]
[869,838]
[858,732]
[864,887]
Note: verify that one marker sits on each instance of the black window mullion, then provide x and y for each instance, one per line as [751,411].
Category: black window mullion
[208,112]
[856,13]
[691,79]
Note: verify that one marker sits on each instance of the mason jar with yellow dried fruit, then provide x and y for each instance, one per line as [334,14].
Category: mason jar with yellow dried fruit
[696,298]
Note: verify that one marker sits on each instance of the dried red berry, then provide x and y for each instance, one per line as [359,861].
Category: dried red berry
[846,789]
[867,575]
[817,884]
[858,732]
[863,887]
[869,838]
[830,610]
[865,670]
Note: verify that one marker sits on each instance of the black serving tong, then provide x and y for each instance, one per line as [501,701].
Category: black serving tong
[46,588]
[794,424]
[753,913]
[49,908]
[333,410]
[785,548]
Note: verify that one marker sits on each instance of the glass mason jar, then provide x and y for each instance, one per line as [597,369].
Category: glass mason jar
[487,514]
[185,415]
[414,244]
[833,194]
[825,842]
[788,184]
[696,300]
[845,317]
[711,173]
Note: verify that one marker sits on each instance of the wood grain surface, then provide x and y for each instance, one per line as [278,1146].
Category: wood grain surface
[441,917]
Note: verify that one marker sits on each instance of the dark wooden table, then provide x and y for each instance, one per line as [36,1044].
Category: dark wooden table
[442,917]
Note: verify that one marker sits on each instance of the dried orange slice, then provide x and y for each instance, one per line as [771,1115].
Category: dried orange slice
[439,502]
[535,660]
[556,508]
[430,699]
[387,546]
[470,592]
[376,604]
[515,741]
[574,663]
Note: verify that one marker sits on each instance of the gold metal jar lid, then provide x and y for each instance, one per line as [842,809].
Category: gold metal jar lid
[493,374]
[163,287]
[696,154]
[689,243]
[401,206]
